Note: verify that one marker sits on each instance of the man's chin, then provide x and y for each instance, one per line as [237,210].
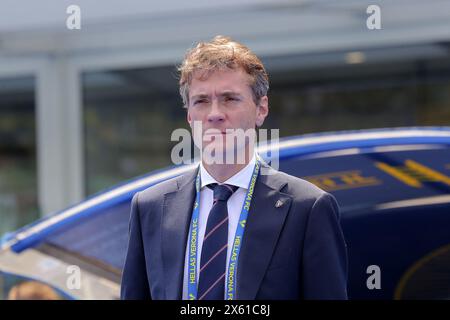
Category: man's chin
[218,154]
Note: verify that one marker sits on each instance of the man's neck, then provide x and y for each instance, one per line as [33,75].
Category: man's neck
[222,172]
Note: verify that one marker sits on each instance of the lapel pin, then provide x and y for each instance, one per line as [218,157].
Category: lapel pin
[278,204]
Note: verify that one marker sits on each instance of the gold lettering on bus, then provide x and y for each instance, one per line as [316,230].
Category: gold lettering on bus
[413,173]
[343,180]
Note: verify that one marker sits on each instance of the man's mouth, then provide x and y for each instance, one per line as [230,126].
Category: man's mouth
[214,132]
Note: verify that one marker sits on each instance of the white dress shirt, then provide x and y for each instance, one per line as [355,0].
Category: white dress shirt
[234,206]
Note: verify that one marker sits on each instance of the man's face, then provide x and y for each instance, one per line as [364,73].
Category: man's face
[223,101]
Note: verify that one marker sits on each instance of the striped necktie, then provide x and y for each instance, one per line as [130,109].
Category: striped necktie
[211,284]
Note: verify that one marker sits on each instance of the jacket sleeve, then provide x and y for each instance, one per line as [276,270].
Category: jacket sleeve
[134,285]
[325,263]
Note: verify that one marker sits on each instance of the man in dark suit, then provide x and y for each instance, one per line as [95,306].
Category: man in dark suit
[239,229]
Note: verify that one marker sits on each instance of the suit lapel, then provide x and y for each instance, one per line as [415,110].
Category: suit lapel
[265,221]
[262,230]
[177,211]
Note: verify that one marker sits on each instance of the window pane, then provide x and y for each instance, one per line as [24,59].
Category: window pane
[130,114]
[18,195]
[369,95]
[129,117]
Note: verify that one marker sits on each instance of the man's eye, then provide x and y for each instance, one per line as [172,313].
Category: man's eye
[199,101]
[231,99]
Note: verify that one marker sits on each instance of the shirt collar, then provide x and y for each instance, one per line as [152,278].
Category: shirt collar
[241,179]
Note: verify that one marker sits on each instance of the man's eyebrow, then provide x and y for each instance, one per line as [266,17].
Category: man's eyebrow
[199,96]
[223,94]
[230,93]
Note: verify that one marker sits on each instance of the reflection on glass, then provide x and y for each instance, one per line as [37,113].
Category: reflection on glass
[129,114]
[307,99]
[129,117]
[18,186]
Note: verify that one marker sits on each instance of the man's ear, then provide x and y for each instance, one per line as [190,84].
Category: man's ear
[262,110]
[188,117]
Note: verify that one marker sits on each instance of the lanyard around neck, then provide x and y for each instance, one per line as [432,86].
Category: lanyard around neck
[193,239]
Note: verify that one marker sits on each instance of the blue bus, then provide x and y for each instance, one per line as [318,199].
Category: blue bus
[392,185]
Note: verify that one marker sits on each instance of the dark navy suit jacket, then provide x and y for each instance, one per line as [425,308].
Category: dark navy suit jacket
[293,251]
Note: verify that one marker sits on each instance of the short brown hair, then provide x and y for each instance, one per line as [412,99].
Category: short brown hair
[32,290]
[222,52]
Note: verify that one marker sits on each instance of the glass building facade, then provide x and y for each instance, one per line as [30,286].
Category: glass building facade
[18,172]
[129,115]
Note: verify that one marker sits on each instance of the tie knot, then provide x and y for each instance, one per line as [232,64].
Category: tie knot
[222,192]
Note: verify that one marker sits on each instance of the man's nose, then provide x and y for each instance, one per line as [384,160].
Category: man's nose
[216,113]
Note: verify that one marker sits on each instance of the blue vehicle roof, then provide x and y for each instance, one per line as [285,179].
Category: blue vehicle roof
[102,219]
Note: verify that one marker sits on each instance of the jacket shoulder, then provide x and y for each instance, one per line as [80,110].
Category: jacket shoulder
[299,188]
[157,191]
